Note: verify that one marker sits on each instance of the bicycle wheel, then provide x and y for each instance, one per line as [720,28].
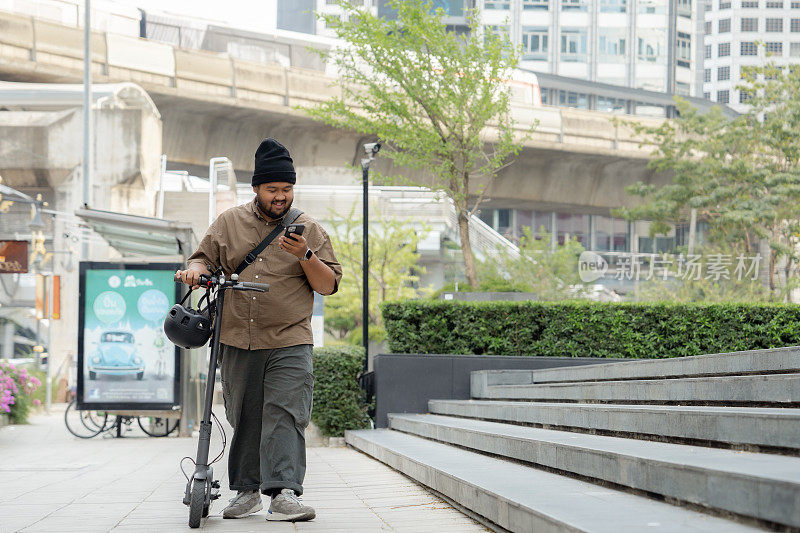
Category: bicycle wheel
[82,423]
[158,427]
[95,420]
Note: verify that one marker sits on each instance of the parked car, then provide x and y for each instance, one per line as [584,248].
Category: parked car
[116,356]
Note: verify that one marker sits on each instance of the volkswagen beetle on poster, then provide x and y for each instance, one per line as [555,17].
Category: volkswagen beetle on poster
[116,355]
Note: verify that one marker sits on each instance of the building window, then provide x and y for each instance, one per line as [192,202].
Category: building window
[707,75]
[774,48]
[772,4]
[573,99]
[501,31]
[750,24]
[653,7]
[536,4]
[794,26]
[707,52]
[685,8]
[651,45]
[744,97]
[335,18]
[748,49]
[708,27]
[612,47]
[535,43]
[795,4]
[794,50]
[724,4]
[723,49]
[753,4]
[723,73]
[707,96]
[573,5]
[501,4]
[684,44]
[573,44]
[613,6]
[545,95]
[774,25]
[724,25]
[723,97]
[611,105]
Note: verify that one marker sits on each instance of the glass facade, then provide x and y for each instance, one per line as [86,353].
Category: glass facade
[600,233]
[570,226]
[611,234]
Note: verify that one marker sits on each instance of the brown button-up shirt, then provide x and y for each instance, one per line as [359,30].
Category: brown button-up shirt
[264,320]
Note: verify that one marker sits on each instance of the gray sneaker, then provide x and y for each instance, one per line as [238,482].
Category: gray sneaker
[286,506]
[245,503]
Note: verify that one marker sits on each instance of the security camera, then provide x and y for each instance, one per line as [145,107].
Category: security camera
[372,148]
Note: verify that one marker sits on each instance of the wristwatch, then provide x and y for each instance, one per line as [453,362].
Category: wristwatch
[307,255]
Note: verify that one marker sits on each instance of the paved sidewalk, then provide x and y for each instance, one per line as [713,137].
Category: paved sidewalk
[55,482]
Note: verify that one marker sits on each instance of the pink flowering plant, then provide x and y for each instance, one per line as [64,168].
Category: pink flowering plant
[16,392]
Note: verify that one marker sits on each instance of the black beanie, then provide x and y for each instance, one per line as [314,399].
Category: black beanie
[273,163]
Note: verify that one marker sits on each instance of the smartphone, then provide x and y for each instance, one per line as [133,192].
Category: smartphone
[296,229]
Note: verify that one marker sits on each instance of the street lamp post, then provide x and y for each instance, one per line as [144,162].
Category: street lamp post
[371,149]
[87,115]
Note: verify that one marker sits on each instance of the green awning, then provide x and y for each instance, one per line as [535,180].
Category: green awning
[137,236]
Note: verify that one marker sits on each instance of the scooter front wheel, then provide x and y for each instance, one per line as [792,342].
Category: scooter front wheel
[197,503]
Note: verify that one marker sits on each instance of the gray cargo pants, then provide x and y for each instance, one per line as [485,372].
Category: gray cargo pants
[268,396]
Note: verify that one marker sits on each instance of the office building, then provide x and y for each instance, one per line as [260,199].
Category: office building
[741,33]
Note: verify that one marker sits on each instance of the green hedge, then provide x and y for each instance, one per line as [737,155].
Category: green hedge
[339,402]
[587,329]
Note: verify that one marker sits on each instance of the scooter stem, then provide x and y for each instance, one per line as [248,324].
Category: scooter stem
[205,424]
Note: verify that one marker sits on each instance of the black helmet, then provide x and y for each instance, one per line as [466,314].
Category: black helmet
[187,327]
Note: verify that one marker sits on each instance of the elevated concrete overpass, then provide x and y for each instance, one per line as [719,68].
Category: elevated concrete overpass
[212,104]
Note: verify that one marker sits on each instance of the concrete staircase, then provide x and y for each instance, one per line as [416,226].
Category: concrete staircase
[706,443]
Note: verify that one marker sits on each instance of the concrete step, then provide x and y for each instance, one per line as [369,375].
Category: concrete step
[776,360]
[765,487]
[524,499]
[771,389]
[752,426]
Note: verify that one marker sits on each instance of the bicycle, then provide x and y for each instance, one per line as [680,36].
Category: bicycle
[87,423]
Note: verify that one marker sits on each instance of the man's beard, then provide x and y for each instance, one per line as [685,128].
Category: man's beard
[270,212]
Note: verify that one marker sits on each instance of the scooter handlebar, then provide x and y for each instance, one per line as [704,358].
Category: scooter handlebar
[264,287]
[207,281]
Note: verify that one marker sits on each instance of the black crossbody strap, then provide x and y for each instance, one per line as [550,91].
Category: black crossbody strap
[290,217]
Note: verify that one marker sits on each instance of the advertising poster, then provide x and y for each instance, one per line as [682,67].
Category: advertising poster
[125,360]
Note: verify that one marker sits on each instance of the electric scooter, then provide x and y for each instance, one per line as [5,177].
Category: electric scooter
[202,488]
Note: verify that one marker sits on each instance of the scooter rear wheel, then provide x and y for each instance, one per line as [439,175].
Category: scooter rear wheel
[197,503]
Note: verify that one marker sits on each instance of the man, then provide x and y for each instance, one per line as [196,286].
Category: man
[266,340]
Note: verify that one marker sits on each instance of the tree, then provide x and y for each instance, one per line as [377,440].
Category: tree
[393,272]
[433,96]
[741,174]
[551,273]
[732,287]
